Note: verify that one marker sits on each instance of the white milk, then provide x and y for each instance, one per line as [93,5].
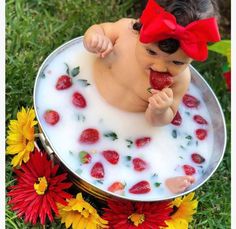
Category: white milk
[165,155]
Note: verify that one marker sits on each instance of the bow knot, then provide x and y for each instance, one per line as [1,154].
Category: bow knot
[158,24]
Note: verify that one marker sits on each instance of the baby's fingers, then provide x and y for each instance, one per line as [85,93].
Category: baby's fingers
[108,50]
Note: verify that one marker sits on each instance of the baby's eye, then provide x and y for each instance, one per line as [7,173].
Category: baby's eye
[151,52]
[177,62]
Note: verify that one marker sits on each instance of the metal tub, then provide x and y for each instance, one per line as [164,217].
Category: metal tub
[214,109]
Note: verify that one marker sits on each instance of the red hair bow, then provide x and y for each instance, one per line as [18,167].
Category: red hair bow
[158,24]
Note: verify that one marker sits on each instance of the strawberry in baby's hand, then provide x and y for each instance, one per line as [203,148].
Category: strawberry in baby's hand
[189,170]
[177,120]
[85,157]
[140,142]
[89,136]
[201,134]
[197,158]
[139,164]
[140,187]
[111,156]
[63,82]
[190,101]
[97,170]
[160,80]
[78,100]
[199,119]
[51,117]
[116,187]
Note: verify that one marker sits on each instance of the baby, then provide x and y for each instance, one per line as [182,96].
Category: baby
[143,65]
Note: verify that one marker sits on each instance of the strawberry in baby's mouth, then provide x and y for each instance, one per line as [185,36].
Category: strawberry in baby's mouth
[160,80]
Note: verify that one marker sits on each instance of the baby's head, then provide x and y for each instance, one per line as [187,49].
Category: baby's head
[185,13]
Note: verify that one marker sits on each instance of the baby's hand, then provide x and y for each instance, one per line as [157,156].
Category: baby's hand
[160,101]
[98,43]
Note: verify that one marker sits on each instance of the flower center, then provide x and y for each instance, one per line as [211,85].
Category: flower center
[41,186]
[136,218]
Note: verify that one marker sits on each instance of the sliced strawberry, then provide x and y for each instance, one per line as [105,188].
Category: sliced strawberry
[89,136]
[78,100]
[85,157]
[197,158]
[201,134]
[190,101]
[111,156]
[139,164]
[160,80]
[189,170]
[116,187]
[140,187]
[63,82]
[177,119]
[97,170]
[199,119]
[140,142]
[51,117]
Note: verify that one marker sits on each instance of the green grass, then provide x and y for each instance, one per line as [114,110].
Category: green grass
[36,27]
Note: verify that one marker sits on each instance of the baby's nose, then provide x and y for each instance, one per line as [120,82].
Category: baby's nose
[159,67]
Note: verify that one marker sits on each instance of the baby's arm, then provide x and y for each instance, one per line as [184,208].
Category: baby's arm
[164,104]
[100,38]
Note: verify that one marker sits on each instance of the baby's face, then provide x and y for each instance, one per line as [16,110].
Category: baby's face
[150,57]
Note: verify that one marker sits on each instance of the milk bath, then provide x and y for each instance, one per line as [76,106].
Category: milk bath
[169,149]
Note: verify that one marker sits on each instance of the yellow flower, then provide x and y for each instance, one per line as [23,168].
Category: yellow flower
[184,208]
[20,139]
[80,214]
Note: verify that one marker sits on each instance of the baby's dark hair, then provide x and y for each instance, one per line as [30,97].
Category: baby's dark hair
[185,11]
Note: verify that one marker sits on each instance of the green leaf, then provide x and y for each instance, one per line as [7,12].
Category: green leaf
[67,69]
[83,83]
[224,48]
[130,143]
[42,75]
[174,133]
[75,71]
[111,135]
[189,137]
[157,184]
[128,158]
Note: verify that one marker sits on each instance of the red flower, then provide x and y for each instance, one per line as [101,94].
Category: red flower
[134,215]
[38,189]
[227,76]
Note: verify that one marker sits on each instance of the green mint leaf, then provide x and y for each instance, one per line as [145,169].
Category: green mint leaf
[128,158]
[83,83]
[42,75]
[189,137]
[75,71]
[67,69]
[174,133]
[81,117]
[130,143]
[157,184]
[111,135]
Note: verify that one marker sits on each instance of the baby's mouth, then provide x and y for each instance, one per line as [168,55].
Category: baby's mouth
[160,80]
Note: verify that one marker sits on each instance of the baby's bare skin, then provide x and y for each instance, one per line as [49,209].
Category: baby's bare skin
[122,70]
